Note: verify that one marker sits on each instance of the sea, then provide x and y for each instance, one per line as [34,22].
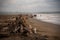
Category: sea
[48,17]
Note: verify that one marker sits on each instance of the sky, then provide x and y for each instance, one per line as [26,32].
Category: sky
[29,5]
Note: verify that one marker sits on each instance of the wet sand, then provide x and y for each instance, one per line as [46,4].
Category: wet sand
[49,29]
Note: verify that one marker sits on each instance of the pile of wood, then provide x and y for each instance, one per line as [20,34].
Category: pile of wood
[19,25]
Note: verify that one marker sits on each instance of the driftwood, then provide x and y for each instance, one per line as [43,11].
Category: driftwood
[21,25]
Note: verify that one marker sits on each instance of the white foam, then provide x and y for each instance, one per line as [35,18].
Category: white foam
[51,18]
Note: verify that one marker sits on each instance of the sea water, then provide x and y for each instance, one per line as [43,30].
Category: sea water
[49,17]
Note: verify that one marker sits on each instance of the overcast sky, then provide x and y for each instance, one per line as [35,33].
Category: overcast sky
[29,5]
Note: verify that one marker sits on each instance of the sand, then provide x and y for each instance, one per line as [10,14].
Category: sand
[43,28]
[52,30]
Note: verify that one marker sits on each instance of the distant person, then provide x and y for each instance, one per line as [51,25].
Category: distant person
[35,15]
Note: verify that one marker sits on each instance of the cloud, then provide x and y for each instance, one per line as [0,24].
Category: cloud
[29,5]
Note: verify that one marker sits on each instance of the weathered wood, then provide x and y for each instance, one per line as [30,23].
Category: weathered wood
[19,24]
[17,28]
